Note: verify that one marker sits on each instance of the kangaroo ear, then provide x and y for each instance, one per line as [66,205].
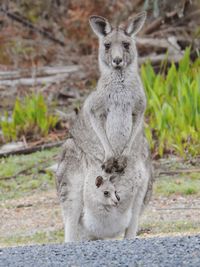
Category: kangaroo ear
[100,25]
[135,24]
[99,181]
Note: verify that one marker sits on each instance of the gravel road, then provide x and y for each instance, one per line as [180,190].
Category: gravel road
[163,252]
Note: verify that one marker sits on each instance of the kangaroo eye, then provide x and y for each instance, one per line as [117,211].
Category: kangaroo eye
[106,194]
[126,45]
[107,45]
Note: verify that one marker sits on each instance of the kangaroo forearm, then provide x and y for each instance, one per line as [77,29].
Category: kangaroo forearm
[91,114]
[135,129]
[101,134]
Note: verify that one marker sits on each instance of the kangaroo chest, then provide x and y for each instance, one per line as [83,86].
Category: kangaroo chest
[119,118]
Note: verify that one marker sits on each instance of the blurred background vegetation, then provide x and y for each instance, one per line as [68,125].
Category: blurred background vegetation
[57,33]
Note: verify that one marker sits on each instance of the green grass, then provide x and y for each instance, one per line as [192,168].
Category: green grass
[33,177]
[170,227]
[37,238]
[181,185]
[173,111]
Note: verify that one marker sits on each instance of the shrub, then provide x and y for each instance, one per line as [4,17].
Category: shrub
[173,112]
[29,118]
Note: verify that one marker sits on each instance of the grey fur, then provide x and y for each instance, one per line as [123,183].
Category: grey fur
[108,139]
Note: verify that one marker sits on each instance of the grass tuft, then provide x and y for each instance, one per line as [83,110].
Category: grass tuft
[182,185]
[23,175]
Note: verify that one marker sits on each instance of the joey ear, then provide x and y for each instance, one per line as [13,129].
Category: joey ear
[135,24]
[99,181]
[100,25]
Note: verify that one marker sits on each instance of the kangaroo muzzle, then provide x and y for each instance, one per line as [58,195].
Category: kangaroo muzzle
[117,62]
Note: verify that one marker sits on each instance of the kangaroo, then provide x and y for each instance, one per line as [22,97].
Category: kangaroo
[112,115]
[108,138]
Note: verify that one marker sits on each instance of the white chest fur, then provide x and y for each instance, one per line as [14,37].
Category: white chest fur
[119,118]
[106,224]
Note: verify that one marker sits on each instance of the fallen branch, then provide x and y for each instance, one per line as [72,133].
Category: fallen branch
[30,150]
[169,43]
[24,205]
[39,72]
[192,15]
[28,24]
[55,74]
[153,26]
[158,59]
[155,42]
[168,30]
[34,81]
[178,208]
[197,170]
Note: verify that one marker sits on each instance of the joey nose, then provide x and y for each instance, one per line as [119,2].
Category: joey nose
[117,61]
[116,203]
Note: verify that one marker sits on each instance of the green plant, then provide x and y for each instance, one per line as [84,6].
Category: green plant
[179,185]
[29,118]
[173,112]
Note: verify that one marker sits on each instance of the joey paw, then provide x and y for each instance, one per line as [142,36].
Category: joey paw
[115,165]
[120,164]
[109,165]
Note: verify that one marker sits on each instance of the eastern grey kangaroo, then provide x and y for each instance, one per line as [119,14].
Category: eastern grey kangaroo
[112,115]
[108,137]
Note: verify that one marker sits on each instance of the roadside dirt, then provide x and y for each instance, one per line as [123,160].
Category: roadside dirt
[26,216]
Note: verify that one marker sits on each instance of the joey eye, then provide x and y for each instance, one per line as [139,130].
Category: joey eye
[126,45]
[107,45]
[106,194]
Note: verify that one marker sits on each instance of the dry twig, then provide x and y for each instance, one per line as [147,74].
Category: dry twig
[30,150]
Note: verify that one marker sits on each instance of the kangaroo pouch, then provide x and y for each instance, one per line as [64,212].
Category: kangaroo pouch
[119,126]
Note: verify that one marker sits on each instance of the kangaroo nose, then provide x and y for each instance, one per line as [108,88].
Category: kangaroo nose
[117,60]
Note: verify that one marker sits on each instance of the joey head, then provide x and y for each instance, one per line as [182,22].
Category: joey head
[106,192]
